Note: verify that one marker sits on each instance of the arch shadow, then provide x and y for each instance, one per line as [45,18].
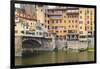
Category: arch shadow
[30,44]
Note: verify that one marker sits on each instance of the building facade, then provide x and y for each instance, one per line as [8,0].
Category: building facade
[86,23]
[24,24]
[72,23]
[56,24]
[30,19]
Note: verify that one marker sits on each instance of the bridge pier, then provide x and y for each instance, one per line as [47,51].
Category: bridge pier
[18,45]
[48,44]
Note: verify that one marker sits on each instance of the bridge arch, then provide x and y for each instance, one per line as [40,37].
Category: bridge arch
[31,43]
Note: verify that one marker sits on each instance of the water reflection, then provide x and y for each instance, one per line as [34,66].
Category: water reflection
[54,57]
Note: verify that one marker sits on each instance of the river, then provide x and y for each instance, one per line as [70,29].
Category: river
[48,57]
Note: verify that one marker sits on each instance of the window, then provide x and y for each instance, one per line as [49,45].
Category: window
[64,16]
[91,28]
[16,18]
[76,31]
[69,21]
[38,28]
[26,27]
[72,21]
[71,31]
[40,33]
[91,22]
[45,26]
[57,36]
[82,36]
[64,27]
[87,11]
[56,21]
[60,31]
[64,21]
[87,22]
[76,21]
[72,26]
[56,27]
[57,31]
[48,21]
[52,27]
[80,11]
[16,31]
[60,21]
[33,33]
[81,32]
[41,10]
[48,16]
[80,27]
[48,27]
[52,21]
[77,16]
[85,28]
[76,26]
[81,17]
[22,32]
[37,33]
[87,17]
[88,27]
[45,21]
[31,23]
[45,15]
[52,11]
[72,16]
[91,13]
[69,26]
[81,22]
[60,36]
[64,31]
[42,24]
[26,24]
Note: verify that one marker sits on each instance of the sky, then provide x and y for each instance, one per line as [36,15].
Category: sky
[51,6]
[17,5]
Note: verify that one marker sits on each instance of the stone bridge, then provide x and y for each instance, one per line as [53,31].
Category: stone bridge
[23,43]
[30,42]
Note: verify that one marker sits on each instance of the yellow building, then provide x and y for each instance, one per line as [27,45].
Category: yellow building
[72,23]
[56,22]
[86,23]
[63,22]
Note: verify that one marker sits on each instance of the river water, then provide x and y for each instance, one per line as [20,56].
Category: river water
[48,57]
